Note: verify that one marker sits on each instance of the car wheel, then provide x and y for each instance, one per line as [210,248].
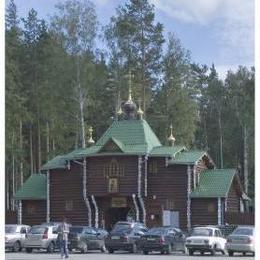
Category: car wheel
[213,250]
[110,251]
[16,246]
[50,248]
[84,250]
[28,250]
[190,252]
[103,249]
[134,249]
[230,253]
[145,252]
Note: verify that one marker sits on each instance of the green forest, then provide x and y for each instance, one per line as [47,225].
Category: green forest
[60,82]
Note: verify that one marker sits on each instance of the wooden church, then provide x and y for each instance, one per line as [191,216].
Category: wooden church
[129,175]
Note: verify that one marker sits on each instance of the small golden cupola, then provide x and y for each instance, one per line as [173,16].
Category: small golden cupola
[171,138]
[90,140]
[140,112]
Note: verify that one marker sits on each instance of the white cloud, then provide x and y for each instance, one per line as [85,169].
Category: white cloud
[195,11]
[235,34]
[100,2]
[231,22]
[222,70]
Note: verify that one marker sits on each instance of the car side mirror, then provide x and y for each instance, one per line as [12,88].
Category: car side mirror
[98,233]
[23,232]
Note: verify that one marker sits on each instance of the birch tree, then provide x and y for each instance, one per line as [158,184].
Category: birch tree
[75,26]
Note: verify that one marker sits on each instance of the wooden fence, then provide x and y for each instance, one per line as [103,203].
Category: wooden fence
[238,218]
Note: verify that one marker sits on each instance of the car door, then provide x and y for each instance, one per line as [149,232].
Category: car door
[178,241]
[221,239]
[90,238]
[23,232]
[137,234]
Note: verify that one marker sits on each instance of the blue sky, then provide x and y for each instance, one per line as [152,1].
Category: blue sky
[219,31]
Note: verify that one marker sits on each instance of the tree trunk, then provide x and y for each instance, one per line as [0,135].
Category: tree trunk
[21,152]
[13,173]
[81,105]
[31,150]
[53,145]
[7,192]
[220,140]
[245,133]
[39,146]
[47,140]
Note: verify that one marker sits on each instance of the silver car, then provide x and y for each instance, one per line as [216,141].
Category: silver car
[41,237]
[15,236]
[241,240]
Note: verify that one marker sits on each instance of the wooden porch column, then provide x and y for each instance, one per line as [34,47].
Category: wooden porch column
[219,211]
[188,197]
[48,198]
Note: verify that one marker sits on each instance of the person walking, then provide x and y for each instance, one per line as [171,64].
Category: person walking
[63,231]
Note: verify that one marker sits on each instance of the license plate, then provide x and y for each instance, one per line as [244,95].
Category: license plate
[151,239]
[198,241]
[115,237]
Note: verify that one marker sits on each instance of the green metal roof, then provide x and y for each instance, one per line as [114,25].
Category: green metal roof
[214,183]
[187,157]
[136,136]
[166,151]
[57,162]
[34,188]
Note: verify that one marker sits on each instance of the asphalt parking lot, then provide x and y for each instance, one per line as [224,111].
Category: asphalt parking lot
[118,256]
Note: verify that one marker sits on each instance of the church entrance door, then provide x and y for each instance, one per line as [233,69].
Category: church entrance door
[114,215]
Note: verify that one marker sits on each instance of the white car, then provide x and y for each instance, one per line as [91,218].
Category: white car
[241,240]
[205,239]
[15,236]
[41,237]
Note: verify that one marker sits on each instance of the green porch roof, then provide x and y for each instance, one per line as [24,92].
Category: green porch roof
[34,188]
[169,151]
[214,183]
[187,157]
[58,162]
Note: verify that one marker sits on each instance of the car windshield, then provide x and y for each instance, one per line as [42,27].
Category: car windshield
[10,229]
[202,232]
[156,231]
[122,228]
[37,230]
[76,229]
[243,231]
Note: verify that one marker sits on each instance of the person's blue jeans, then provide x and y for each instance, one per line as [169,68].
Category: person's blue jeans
[64,248]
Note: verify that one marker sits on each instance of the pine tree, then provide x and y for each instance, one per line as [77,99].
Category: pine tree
[135,42]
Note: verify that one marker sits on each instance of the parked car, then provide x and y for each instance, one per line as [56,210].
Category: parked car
[205,239]
[241,240]
[125,236]
[15,236]
[41,237]
[102,232]
[163,239]
[85,238]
